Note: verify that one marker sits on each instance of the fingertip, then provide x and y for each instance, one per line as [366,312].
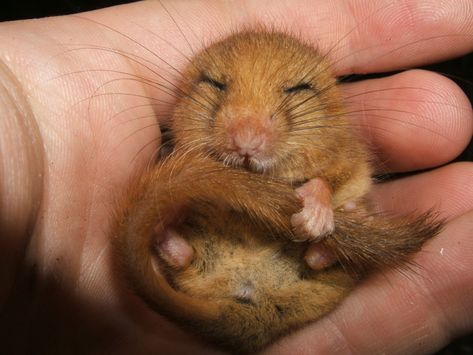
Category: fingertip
[412,120]
[447,190]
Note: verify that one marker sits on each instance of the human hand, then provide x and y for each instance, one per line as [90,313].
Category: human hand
[58,273]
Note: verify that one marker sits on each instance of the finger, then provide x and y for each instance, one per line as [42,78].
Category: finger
[412,120]
[369,36]
[373,36]
[395,313]
[357,36]
[447,190]
[178,34]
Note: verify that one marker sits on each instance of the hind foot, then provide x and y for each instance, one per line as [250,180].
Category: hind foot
[319,257]
[173,248]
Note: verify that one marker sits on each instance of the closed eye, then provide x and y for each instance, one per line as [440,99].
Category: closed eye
[298,88]
[214,83]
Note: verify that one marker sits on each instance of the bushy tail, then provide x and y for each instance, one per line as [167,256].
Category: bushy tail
[157,200]
[360,243]
[367,243]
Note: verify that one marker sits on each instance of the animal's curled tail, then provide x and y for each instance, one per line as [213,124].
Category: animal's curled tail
[361,243]
[157,200]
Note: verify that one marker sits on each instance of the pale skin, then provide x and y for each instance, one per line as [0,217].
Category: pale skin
[74,158]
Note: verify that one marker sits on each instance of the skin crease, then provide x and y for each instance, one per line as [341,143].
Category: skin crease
[74,295]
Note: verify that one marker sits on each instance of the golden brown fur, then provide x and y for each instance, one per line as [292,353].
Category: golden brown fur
[309,135]
[247,282]
[244,246]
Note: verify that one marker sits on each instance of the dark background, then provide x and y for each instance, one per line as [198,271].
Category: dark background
[460,70]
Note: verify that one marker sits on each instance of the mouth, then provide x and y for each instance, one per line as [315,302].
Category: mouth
[246,162]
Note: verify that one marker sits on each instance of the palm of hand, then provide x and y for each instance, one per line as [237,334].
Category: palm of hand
[65,281]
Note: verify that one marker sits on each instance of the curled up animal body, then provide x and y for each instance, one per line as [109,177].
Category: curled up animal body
[235,233]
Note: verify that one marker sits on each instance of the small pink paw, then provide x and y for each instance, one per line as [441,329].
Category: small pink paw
[318,257]
[174,249]
[313,222]
[316,218]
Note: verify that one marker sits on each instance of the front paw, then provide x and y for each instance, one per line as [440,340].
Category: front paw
[314,222]
[316,218]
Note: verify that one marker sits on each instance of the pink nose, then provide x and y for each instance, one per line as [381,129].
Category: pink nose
[248,144]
